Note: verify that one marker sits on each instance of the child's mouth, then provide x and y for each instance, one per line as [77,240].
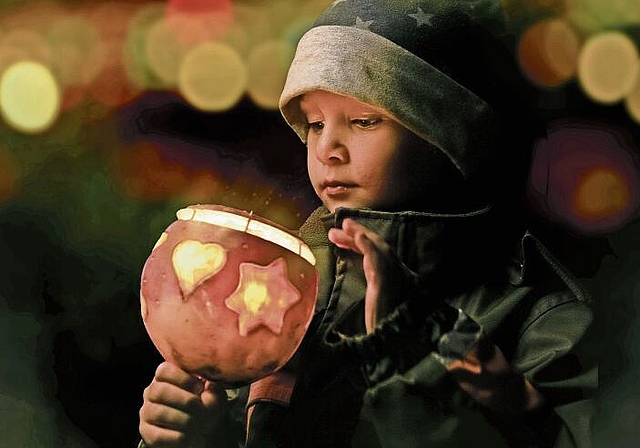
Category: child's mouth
[336,188]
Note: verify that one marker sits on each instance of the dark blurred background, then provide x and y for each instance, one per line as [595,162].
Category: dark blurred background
[117,114]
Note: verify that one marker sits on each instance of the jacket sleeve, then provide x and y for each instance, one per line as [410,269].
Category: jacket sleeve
[554,354]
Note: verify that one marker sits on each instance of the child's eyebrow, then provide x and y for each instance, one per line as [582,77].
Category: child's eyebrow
[302,104]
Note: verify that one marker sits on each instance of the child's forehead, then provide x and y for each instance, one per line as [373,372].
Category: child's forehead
[322,98]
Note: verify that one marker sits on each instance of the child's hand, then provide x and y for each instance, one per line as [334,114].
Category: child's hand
[180,410]
[485,374]
[382,269]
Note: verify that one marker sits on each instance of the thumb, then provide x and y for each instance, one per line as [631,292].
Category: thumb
[213,395]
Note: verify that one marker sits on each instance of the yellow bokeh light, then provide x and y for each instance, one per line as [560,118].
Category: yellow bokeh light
[632,102]
[254,21]
[164,51]
[75,45]
[267,66]
[608,66]
[29,97]
[194,262]
[212,77]
[255,296]
[135,58]
[595,15]
[602,193]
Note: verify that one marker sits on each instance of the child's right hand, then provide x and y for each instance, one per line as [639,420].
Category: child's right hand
[180,410]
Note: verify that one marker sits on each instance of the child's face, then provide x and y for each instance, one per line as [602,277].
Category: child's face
[357,155]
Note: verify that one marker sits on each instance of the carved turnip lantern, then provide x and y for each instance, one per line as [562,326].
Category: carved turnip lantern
[227,295]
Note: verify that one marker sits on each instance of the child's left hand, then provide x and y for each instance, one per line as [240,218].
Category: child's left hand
[382,268]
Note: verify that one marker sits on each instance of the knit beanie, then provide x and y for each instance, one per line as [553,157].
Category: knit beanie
[413,59]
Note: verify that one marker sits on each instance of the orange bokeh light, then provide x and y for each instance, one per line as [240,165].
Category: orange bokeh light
[602,192]
[548,52]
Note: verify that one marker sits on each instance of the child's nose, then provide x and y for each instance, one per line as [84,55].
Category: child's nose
[331,147]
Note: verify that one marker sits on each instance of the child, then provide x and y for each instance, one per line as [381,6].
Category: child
[426,332]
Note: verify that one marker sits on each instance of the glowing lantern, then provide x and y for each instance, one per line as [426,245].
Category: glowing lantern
[227,295]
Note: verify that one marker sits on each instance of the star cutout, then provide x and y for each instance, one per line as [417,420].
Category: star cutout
[263,296]
[363,24]
[422,18]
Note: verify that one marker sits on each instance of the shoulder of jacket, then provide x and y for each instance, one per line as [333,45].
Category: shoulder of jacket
[533,256]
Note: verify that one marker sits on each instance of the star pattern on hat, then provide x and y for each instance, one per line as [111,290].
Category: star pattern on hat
[422,18]
[363,24]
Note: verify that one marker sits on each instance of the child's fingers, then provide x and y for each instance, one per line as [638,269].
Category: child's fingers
[213,395]
[165,416]
[155,436]
[354,229]
[170,373]
[341,239]
[171,395]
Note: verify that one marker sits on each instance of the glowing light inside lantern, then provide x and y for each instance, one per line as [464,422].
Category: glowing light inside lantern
[255,297]
[161,240]
[195,262]
[144,312]
[263,296]
[250,226]
[608,66]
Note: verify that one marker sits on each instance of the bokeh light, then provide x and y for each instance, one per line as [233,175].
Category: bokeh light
[212,77]
[24,44]
[254,21]
[197,21]
[548,52]
[135,52]
[597,15]
[608,66]
[29,97]
[632,102]
[267,66]
[75,42]
[586,176]
[164,52]
[602,193]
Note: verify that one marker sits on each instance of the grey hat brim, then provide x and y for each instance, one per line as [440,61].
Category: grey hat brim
[358,63]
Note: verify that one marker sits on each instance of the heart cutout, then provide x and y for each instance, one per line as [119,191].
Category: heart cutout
[194,262]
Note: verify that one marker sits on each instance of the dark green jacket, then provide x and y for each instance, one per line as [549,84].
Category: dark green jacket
[390,389]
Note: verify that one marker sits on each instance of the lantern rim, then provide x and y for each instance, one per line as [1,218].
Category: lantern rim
[247,222]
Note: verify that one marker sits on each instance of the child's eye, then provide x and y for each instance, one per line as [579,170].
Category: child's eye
[366,122]
[315,125]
